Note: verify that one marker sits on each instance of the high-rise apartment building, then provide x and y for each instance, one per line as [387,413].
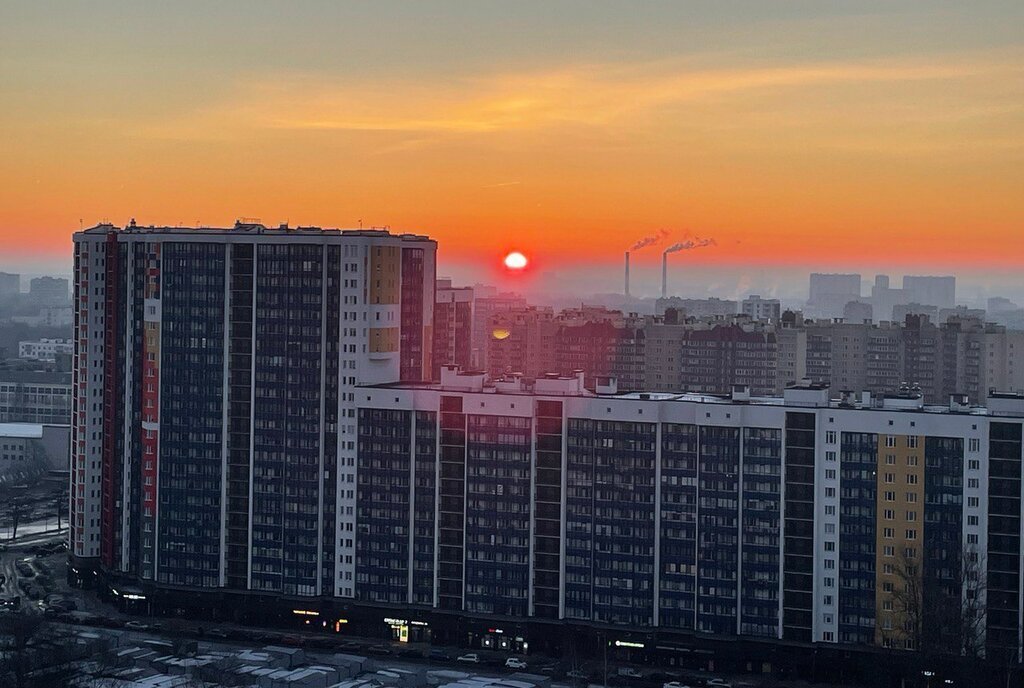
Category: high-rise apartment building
[601,349]
[761,309]
[488,301]
[214,420]
[932,290]
[829,293]
[717,358]
[453,327]
[48,290]
[665,515]
[521,340]
[10,285]
[697,308]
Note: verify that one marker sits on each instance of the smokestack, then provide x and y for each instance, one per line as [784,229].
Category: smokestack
[664,274]
[696,242]
[627,273]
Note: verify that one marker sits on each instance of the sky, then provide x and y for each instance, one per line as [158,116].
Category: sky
[799,135]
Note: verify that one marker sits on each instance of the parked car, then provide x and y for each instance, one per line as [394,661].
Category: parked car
[439,656]
[137,626]
[674,684]
[218,633]
[630,672]
[576,673]
[718,683]
[379,650]
[514,663]
[471,658]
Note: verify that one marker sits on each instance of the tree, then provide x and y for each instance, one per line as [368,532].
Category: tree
[17,511]
[940,609]
[17,632]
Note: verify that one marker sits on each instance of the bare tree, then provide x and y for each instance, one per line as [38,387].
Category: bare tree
[940,610]
[17,511]
[17,632]
[35,653]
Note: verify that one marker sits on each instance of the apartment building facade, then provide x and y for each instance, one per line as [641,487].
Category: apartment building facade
[513,514]
[213,426]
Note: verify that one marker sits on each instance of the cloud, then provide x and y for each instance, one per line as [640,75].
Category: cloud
[596,94]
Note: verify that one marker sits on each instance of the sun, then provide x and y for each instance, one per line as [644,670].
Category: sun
[515,261]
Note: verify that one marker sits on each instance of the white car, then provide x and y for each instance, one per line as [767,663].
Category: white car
[515,663]
[718,683]
[630,672]
[137,626]
[471,658]
[674,684]
[576,673]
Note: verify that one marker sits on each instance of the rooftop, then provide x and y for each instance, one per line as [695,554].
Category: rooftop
[245,227]
[35,377]
[801,394]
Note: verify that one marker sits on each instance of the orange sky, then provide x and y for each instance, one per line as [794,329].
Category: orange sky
[889,136]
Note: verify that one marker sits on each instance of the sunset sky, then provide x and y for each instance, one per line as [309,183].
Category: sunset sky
[836,134]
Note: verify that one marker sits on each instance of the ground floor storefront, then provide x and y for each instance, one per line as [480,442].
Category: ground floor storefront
[548,640]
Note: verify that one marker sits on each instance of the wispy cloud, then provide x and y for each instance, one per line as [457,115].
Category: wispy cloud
[596,95]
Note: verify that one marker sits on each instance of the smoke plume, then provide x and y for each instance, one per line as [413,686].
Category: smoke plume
[696,242]
[649,241]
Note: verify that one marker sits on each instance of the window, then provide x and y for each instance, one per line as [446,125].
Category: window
[890,440]
[911,534]
[830,437]
[912,442]
[974,444]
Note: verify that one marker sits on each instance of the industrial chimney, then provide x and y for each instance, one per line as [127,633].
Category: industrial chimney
[664,274]
[627,273]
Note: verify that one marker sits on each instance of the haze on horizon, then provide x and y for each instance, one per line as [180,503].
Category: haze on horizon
[875,136]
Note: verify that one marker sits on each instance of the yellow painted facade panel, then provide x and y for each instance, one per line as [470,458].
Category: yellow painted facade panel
[899,536]
[384,276]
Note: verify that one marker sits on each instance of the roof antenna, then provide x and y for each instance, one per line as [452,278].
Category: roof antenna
[360,223]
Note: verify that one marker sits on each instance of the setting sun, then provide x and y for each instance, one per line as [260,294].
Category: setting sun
[515,261]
